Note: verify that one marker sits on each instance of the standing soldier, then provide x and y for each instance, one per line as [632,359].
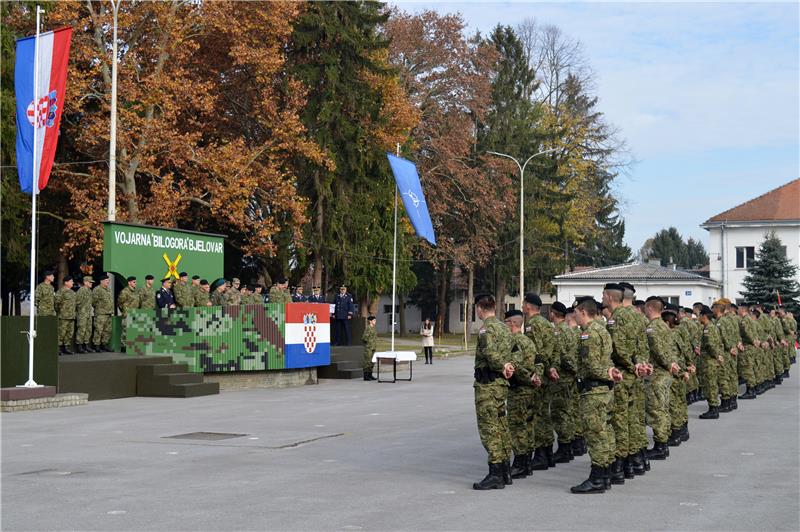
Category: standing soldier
[637,429]
[279,293]
[164,297]
[298,296]
[729,332]
[233,296]
[789,333]
[83,312]
[127,300]
[182,292]
[370,340]
[65,304]
[565,391]
[343,313]
[147,295]
[45,296]
[688,328]
[663,356]
[747,358]
[678,413]
[258,292]
[579,443]
[218,297]
[193,289]
[520,395]
[103,303]
[540,331]
[316,295]
[781,364]
[493,368]
[244,293]
[711,351]
[596,377]
[201,297]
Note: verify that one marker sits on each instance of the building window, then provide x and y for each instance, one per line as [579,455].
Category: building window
[387,309]
[783,251]
[675,300]
[745,257]
[461,313]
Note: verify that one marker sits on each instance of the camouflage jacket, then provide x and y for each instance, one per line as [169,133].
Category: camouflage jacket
[127,299]
[102,301]
[280,296]
[523,355]
[642,345]
[45,300]
[83,302]
[766,327]
[777,328]
[218,298]
[566,346]
[684,354]
[370,340]
[540,331]
[232,296]
[662,346]
[201,298]
[147,297]
[494,345]
[594,352]
[729,331]
[712,342]
[748,330]
[66,303]
[183,295]
[623,328]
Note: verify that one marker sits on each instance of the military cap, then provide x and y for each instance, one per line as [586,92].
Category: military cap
[103,277]
[165,279]
[281,280]
[697,304]
[614,286]
[48,272]
[88,278]
[584,299]
[638,303]
[148,277]
[235,280]
[558,306]
[67,278]
[533,299]
[670,309]
[767,307]
[627,286]
[370,318]
[203,282]
[259,285]
[734,305]
[343,286]
[316,288]
[570,310]
[131,278]
[654,298]
[513,312]
[195,277]
[705,311]
[183,274]
[687,310]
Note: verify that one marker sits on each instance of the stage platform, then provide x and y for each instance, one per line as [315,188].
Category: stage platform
[116,375]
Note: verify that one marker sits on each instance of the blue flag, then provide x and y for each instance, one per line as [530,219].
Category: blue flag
[407,179]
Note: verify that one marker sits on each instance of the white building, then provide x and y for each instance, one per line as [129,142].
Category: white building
[649,279]
[736,234]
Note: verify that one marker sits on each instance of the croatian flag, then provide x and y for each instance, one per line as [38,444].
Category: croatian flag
[44,111]
[308,335]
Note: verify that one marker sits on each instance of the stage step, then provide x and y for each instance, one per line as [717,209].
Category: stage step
[172,380]
[330,372]
[346,363]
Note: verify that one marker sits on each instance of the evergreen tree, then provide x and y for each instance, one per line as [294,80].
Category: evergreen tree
[772,274]
[669,247]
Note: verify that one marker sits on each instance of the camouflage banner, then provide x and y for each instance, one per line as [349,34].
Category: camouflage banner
[227,338]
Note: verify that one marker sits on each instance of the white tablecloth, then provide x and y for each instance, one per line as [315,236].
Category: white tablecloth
[400,356]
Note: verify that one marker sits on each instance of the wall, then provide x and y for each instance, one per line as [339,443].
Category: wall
[744,235]
[688,293]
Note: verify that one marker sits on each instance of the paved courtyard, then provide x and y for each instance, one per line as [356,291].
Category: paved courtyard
[350,455]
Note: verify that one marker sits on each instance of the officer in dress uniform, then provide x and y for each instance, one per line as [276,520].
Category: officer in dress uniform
[164,298]
[297,296]
[343,315]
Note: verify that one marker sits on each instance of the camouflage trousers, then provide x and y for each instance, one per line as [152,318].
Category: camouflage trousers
[637,428]
[711,373]
[367,360]
[490,409]
[729,381]
[102,329]
[777,355]
[595,410]
[620,415]
[678,409]
[542,423]
[83,333]
[745,363]
[66,331]
[520,419]
[564,408]
[658,405]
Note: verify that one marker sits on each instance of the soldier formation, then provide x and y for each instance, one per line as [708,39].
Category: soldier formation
[595,375]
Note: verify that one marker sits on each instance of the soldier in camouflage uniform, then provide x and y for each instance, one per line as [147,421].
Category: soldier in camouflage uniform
[712,353]
[201,297]
[493,368]
[747,358]
[193,289]
[596,377]
[578,442]
[663,356]
[520,395]
[279,293]
[767,344]
[690,331]
[182,292]
[790,334]
[65,308]
[729,332]
[45,296]
[370,341]
[232,295]
[218,296]
[127,299]
[781,362]
[147,295]
[564,407]
[540,331]
[103,303]
[83,312]
[637,427]
[678,409]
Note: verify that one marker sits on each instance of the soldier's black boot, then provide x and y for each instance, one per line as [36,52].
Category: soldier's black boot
[548,450]
[638,463]
[529,463]
[685,432]
[617,475]
[366,375]
[778,379]
[519,469]
[68,351]
[86,348]
[645,459]
[712,413]
[674,438]
[564,452]
[593,484]
[61,350]
[576,447]
[539,462]
[785,374]
[627,467]
[607,477]
[660,451]
[734,403]
[724,405]
[750,393]
[492,481]
[507,473]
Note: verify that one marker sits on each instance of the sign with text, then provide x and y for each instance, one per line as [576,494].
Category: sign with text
[139,250]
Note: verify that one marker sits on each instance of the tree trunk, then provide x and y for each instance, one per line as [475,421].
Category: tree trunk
[318,228]
[402,311]
[500,293]
[468,302]
[62,270]
[441,298]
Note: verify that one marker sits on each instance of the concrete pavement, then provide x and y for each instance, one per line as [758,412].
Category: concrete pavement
[350,455]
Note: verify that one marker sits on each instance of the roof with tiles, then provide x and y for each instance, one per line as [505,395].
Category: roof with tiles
[780,204]
[633,272]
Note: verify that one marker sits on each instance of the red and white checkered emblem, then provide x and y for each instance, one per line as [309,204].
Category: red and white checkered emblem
[41,112]
[310,330]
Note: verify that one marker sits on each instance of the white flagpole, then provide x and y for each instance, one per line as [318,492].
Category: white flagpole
[112,141]
[394,254]
[34,192]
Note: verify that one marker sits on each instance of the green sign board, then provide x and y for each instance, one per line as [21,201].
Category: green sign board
[130,249]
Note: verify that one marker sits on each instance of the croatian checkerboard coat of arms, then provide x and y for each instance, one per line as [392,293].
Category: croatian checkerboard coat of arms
[310,330]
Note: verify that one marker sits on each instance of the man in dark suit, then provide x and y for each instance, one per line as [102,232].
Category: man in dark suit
[164,297]
[344,310]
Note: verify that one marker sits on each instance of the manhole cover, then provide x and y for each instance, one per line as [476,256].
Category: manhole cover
[206,436]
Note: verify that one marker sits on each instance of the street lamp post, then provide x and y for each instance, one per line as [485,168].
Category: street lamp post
[521,216]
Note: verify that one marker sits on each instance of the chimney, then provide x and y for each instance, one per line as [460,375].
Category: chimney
[672,266]
[654,261]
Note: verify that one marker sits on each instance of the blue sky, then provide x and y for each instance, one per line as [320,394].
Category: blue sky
[706,95]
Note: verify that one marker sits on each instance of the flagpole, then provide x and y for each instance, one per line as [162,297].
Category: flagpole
[394,254]
[112,141]
[34,192]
